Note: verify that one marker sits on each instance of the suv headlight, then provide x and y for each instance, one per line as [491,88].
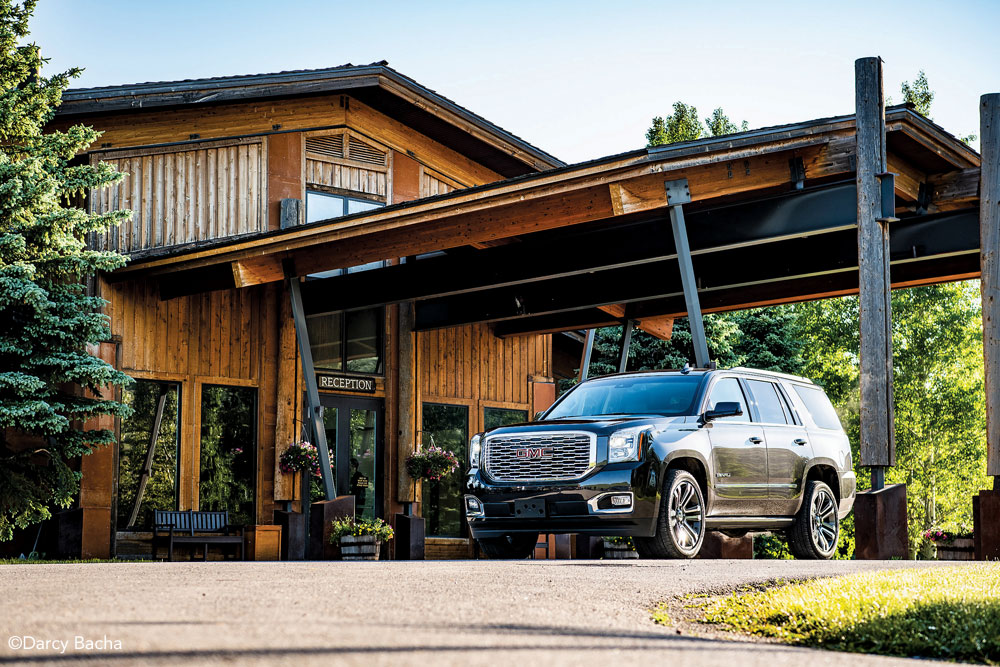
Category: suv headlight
[625,445]
[475,450]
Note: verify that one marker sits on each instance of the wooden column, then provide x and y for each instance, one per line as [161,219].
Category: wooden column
[877,422]
[989,243]
[407,491]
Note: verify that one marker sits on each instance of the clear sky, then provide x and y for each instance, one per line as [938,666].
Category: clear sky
[577,79]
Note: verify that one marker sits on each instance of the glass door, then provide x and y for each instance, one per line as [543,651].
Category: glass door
[354,434]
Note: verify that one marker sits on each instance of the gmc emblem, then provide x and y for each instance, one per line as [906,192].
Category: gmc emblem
[533,453]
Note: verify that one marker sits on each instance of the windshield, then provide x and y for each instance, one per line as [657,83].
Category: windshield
[668,395]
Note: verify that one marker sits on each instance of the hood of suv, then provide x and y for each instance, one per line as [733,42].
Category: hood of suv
[602,425]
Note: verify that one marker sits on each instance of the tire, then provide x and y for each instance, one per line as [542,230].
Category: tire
[816,530]
[680,523]
[509,547]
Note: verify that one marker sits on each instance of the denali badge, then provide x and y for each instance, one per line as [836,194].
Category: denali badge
[533,453]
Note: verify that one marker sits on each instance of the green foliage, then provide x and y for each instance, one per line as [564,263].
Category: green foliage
[358,526]
[684,125]
[47,319]
[919,94]
[944,613]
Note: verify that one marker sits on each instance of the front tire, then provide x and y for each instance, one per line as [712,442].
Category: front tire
[509,547]
[680,524]
[816,530]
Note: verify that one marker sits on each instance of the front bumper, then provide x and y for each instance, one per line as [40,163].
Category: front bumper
[586,507]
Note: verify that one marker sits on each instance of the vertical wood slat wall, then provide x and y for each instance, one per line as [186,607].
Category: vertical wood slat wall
[184,196]
[470,366]
[347,177]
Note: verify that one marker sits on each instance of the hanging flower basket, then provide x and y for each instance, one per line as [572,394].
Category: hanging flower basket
[433,464]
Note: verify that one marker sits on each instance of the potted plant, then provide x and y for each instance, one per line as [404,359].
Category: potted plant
[432,464]
[952,544]
[619,547]
[359,538]
[303,457]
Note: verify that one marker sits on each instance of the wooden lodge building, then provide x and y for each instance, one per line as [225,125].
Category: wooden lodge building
[432,261]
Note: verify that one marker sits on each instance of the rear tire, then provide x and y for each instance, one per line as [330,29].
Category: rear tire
[680,523]
[816,530]
[509,547]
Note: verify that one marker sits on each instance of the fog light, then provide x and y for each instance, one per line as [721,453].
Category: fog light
[621,501]
[473,507]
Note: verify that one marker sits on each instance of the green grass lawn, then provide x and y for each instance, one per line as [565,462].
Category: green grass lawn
[949,613]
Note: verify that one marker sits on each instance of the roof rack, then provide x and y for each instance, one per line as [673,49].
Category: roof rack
[787,376]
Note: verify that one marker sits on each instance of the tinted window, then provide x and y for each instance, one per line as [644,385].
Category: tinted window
[819,407]
[494,417]
[643,395]
[446,426]
[349,341]
[228,443]
[728,390]
[768,402]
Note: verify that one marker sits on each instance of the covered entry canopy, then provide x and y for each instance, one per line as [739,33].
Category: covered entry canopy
[772,219]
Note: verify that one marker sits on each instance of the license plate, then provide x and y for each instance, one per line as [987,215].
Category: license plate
[531,509]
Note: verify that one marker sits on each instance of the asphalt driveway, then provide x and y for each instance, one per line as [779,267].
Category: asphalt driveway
[411,613]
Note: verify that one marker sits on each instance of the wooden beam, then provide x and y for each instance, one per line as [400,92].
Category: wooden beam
[989,239]
[908,178]
[954,189]
[877,423]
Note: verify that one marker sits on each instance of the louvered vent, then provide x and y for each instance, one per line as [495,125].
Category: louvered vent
[362,152]
[332,146]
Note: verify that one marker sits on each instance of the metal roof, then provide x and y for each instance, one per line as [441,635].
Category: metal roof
[214,90]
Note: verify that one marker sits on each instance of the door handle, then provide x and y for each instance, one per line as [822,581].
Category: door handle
[800,441]
[755,440]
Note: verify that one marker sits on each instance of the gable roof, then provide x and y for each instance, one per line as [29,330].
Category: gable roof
[376,84]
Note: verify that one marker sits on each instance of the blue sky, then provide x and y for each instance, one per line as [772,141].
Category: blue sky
[578,79]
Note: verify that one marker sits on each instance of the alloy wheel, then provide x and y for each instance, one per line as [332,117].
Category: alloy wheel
[823,521]
[685,515]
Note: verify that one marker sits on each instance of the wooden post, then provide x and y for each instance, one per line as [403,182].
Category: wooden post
[989,242]
[877,420]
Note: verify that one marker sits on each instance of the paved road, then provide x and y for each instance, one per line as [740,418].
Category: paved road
[412,613]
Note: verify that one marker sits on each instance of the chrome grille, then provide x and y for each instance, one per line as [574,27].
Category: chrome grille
[568,456]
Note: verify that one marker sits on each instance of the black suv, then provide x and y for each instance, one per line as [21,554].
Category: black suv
[664,457]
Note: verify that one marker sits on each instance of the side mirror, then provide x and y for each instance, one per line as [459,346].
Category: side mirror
[722,410]
[538,416]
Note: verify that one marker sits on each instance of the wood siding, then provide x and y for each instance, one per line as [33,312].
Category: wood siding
[342,176]
[470,366]
[432,184]
[184,196]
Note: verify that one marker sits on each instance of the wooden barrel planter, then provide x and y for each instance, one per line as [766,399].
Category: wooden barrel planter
[618,551]
[359,547]
[960,549]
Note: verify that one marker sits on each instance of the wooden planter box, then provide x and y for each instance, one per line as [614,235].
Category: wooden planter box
[961,549]
[618,551]
[263,542]
[363,547]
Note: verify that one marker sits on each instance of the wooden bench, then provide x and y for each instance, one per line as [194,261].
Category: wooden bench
[191,527]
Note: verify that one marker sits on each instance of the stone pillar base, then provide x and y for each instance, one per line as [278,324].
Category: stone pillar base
[986,525]
[321,515]
[409,539]
[293,534]
[880,524]
[717,545]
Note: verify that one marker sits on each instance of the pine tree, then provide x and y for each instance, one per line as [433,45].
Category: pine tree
[47,319]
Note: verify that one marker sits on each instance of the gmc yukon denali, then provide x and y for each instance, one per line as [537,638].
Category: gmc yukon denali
[664,457]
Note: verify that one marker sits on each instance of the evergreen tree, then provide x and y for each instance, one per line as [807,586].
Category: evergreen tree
[47,319]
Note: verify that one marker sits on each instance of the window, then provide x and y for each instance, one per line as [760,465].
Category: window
[227,478]
[651,394]
[323,205]
[728,390]
[769,403]
[819,406]
[446,426]
[156,408]
[347,341]
[496,417]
